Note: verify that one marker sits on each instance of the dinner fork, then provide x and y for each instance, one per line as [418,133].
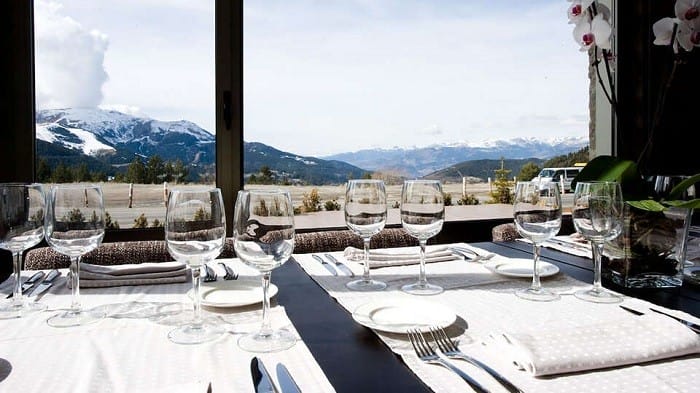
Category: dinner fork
[451,350]
[211,274]
[230,273]
[426,353]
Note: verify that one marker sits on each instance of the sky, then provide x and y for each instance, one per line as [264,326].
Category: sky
[325,77]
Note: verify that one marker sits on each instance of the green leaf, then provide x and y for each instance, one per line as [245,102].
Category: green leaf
[681,187]
[692,204]
[648,205]
[608,168]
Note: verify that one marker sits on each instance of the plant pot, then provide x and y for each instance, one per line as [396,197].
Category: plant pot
[650,251]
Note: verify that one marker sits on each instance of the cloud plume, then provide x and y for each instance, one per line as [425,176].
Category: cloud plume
[69,60]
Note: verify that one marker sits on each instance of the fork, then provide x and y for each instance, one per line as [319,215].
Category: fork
[230,273]
[451,350]
[426,353]
[211,274]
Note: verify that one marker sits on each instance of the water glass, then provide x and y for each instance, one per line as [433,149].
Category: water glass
[75,225]
[537,213]
[195,232]
[263,233]
[422,216]
[22,208]
[598,216]
[365,216]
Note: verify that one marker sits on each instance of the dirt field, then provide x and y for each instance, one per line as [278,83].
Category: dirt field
[149,198]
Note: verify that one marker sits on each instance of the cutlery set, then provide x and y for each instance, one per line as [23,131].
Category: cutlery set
[333,262]
[211,276]
[449,349]
[262,381]
[37,284]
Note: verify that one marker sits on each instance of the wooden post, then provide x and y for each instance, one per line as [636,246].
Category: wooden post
[490,186]
[464,187]
[165,193]
[86,198]
[131,194]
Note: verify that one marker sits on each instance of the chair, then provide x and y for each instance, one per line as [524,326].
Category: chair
[504,233]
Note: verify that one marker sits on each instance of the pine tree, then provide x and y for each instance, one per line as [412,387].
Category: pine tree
[502,186]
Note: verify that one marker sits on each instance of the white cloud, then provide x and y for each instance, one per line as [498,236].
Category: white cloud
[69,59]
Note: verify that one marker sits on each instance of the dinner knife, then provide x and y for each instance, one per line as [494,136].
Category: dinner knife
[692,326]
[287,383]
[325,264]
[261,378]
[44,285]
[340,265]
[31,281]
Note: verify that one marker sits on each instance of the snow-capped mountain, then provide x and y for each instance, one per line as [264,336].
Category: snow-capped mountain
[118,137]
[420,161]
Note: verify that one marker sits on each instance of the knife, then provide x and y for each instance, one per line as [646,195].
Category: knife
[35,278]
[325,264]
[45,285]
[261,378]
[692,326]
[287,383]
[340,265]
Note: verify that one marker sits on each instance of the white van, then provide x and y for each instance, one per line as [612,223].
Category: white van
[557,175]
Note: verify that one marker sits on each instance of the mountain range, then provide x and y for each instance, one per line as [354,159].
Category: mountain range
[107,141]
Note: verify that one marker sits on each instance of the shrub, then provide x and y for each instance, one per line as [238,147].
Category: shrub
[109,224]
[311,202]
[447,198]
[156,223]
[469,199]
[332,205]
[141,221]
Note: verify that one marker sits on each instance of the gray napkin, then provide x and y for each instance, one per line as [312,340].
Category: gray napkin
[99,276]
[399,256]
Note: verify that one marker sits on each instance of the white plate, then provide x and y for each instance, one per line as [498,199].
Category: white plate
[520,267]
[233,293]
[397,315]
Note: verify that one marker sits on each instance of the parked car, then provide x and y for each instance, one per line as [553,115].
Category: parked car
[563,176]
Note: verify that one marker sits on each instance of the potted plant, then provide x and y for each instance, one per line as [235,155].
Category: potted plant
[650,252]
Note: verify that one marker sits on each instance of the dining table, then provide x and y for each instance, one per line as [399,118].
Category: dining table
[334,352]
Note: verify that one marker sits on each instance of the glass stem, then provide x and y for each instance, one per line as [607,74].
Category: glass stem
[536,286]
[197,300]
[17,269]
[365,274]
[597,250]
[265,329]
[75,284]
[421,275]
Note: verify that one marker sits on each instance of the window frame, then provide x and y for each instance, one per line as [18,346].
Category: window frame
[18,80]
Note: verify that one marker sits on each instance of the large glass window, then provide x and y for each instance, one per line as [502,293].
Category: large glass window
[399,90]
[125,97]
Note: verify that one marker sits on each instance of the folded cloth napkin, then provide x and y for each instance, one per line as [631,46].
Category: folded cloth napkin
[399,256]
[604,344]
[98,276]
[568,244]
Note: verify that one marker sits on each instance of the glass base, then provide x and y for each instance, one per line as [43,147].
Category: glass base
[366,285]
[278,340]
[75,318]
[538,295]
[423,289]
[195,334]
[11,309]
[598,296]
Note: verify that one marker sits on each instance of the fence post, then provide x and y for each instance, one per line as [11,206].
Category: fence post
[131,194]
[490,188]
[165,193]
[464,187]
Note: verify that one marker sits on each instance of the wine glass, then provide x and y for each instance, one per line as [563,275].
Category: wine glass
[422,215]
[195,232]
[263,233]
[75,225]
[365,216]
[597,215]
[22,208]
[537,213]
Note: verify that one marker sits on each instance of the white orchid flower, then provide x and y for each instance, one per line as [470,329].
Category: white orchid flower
[578,10]
[663,31]
[687,10]
[597,32]
[689,34]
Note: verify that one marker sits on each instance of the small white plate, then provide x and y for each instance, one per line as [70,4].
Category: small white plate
[397,315]
[520,267]
[233,293]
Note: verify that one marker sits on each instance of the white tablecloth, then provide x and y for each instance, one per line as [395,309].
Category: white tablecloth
[130,351]
[486,305]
